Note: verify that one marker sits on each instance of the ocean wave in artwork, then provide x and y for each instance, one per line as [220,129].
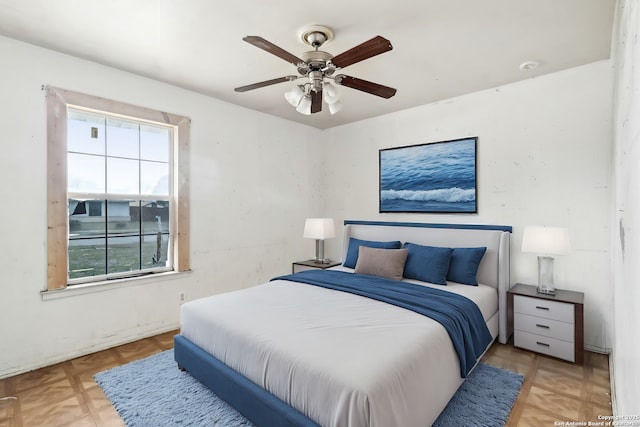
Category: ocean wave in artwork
[450,195]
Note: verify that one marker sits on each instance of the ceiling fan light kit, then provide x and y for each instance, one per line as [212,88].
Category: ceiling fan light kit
[317,68]
[304,107]
[330,93]
[335,107]
[294,95]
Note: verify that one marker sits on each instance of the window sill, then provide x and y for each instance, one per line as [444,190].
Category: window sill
[107,285]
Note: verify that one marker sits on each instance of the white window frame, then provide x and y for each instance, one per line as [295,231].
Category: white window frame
[58,101]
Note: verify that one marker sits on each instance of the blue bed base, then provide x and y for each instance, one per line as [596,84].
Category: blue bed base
[255,403]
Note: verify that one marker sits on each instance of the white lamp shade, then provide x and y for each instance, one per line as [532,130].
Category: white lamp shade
[319,228]
[335,107]
[545,240]
[330,93]
[305,106]
[294,95]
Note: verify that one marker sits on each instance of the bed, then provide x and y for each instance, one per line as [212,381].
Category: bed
[329,348]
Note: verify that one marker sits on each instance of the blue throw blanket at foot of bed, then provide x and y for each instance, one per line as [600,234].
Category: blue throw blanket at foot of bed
[460,316]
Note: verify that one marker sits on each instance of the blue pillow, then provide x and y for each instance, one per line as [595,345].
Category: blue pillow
[354,247]
[427,263]
[464,265]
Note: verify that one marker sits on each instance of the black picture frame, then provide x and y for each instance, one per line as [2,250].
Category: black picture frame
[435,177]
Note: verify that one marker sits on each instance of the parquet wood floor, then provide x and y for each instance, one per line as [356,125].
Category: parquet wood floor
[65,394]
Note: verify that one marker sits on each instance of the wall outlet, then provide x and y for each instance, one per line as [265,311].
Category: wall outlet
[181,296]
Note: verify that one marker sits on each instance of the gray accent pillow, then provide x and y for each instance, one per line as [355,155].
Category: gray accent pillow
[387,263]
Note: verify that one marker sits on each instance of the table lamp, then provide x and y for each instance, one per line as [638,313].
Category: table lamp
[545,241]
[319,229]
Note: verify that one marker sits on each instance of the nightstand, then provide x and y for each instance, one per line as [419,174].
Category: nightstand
[547,324]
[310,264]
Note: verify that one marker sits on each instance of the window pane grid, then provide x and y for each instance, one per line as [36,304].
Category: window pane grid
[136,235]
[139,241]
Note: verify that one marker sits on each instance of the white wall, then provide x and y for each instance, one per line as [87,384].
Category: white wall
[252,185]
[544,151]
[626,209]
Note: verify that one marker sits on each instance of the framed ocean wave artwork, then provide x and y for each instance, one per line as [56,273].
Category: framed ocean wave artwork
[437,177]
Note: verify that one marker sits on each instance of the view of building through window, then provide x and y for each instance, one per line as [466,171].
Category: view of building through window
[119,176]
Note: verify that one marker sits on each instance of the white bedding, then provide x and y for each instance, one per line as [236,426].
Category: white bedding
[485,297]
[341,359]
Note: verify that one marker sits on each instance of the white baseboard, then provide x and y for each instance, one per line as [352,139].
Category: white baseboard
[107,342]
[595,349]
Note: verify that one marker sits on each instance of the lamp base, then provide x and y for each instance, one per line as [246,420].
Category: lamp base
[319,258]
[546,291]
[545,276]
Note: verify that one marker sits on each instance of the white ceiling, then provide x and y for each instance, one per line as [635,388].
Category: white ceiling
[441,48]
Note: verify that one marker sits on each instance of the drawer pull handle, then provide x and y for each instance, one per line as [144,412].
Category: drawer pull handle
[542,326]
[542,343]
[539,307]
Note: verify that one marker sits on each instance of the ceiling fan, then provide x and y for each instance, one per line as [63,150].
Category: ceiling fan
[318,68]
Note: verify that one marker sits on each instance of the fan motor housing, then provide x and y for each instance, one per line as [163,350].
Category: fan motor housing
[316,60]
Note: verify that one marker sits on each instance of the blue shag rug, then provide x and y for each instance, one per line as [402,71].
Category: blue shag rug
[153,392]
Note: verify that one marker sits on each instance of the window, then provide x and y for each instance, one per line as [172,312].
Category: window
[117,190]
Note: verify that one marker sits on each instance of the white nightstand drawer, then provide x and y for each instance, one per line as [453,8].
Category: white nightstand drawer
[543,308]
[545,345]
[540,326]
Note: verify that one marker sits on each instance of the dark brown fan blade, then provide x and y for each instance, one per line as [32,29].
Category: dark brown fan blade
[265,83]
[273,49]
[316,101]
[373,47]
[365,86]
